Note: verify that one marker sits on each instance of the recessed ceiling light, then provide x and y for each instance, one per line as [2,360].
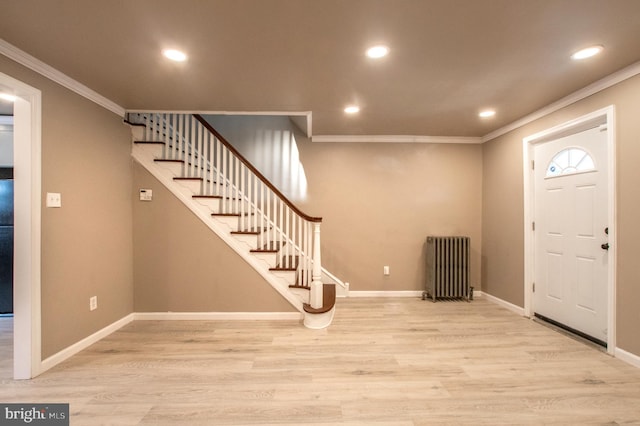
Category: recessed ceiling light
[376,52]
[7,97]
[587,53]
[487,113]
[175,55]
[352,109]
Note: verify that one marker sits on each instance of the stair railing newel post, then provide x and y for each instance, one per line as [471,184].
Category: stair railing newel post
[316,274]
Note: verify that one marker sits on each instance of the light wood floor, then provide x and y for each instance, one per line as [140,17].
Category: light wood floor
[382,362]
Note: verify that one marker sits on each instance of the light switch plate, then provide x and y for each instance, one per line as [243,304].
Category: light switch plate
[54,199]
[146,195]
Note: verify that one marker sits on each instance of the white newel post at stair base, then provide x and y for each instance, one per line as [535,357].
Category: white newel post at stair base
[316,274]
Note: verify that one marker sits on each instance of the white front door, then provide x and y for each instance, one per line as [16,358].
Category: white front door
[571,227]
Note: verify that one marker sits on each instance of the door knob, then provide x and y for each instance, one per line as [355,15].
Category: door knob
[605,246]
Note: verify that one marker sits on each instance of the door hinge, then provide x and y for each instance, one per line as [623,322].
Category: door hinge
[533,165]
[533,226]
[534,287]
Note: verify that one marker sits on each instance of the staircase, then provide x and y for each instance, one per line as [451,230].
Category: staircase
[242,207]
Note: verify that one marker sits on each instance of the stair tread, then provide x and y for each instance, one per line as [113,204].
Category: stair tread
[283,269]
[304,287]
[233,214]
[250,231]
[196,178]
[130,123]
[272,247]
[293,260]
[216,197]
[150,142]
[167,160]
[328,300]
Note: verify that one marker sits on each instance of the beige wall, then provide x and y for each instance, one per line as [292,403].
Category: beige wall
[378,201]
[182,266]
[86,245]
[502,209]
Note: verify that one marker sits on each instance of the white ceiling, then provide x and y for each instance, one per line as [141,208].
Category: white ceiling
[448,58]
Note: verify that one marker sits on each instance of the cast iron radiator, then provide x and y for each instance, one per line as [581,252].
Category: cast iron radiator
[448,268]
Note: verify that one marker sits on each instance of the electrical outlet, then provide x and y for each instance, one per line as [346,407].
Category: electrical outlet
[54,199]
[386,270]
[93,303]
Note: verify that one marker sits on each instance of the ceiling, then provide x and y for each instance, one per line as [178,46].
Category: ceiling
[448,59]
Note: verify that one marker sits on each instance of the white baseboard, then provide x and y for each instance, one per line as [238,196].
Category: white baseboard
[204,316]
[510,306]
[69,351]
[403,293]
[353,293]
[627,357]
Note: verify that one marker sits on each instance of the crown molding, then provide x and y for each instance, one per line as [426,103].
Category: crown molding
[209,112]
[23,58]
[304,115]
[395,139]
[600,85]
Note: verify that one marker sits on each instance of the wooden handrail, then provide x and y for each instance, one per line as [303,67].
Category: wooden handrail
[255,171]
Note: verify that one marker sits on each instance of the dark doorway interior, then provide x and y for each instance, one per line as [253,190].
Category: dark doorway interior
[6,240]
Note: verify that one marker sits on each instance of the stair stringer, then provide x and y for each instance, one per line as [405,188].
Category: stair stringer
[145,158]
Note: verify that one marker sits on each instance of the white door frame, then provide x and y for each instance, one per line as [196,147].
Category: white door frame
[27,110]
[602,116]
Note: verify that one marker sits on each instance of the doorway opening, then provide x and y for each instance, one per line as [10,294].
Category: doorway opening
[27,224]
[6,238]
[535,258]
[6,207]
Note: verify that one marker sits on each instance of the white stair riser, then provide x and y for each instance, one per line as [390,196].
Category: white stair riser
[172,167]
[137,132]
[288,276]
[195,186]
[217,205]
[212,205]
[268,258]
[232,221]
[302,293]
[153,150]
[233,206]
[250,240]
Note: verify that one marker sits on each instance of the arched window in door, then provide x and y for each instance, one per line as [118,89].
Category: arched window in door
[570,161]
